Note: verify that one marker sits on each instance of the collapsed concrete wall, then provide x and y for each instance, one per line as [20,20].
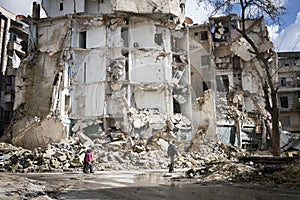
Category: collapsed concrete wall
[203,81]
[37,85]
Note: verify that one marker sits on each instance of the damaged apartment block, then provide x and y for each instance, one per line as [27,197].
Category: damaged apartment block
[139,69]
[241,117]
[113,65]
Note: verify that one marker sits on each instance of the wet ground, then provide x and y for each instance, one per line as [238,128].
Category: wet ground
[144,185]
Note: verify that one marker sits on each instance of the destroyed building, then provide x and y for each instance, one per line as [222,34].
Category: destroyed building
[123,64]
[239,74]
[13,40]
[138,68]
[289,90]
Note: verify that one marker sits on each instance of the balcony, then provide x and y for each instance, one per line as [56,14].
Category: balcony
[14,45]
[289,89]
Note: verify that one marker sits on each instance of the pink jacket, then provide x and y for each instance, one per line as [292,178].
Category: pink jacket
[89,157]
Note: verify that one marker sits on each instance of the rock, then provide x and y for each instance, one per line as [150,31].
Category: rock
[54,163]
[85,140]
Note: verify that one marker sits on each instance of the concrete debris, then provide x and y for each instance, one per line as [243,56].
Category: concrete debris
[25,132]
[242,49]
[125,153]
[116,69]
[289,141]
[224,109]
[212,160]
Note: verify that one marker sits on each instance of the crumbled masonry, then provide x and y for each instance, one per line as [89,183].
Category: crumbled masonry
[213,162]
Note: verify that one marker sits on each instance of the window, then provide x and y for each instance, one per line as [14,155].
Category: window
[222,83]
[12,37]
[204,35]
[158,39]
[284,102]
[206,86]
[205,60]
[6,115]
[82,39]
[182,7]
[61,6]
[283,81]
[124,35]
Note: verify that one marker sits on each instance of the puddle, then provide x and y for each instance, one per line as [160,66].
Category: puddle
[153,178]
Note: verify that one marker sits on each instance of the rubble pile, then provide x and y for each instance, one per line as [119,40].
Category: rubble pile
[265,172]
[214,161]
[115,153]
[58,156]
[224,110]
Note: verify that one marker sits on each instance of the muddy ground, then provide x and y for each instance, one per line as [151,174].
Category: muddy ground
[139,184]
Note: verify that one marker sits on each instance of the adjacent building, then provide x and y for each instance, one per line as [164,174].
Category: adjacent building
[289,90]
[239,80]
[13,40]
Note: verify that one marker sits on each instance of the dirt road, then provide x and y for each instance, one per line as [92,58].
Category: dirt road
[144,185]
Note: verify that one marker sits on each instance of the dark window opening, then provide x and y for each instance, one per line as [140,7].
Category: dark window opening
[67,103]
[82,39]
[61,6]
[124,35]
[284,102]
[236,63]
[283,81]
[24,45]
[6,115]
[176,106]
[158,39]
[84,75]
[12,37]
[126,54]
[222,83]
[204,35]
[182,7]
[206,86]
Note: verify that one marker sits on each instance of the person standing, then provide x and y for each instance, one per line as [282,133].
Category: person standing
[88,162]
[171,153]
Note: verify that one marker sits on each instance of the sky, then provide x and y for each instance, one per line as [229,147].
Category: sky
[285,38]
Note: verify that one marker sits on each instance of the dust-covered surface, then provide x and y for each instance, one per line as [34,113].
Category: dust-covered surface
[137,184]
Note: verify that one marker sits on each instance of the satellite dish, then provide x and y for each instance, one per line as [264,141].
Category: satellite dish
[188,20]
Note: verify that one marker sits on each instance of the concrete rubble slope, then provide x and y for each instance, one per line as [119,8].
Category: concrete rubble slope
[214,161]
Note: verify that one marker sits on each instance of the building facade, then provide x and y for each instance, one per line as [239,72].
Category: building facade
[123,63]
[13,40]
[239,80]
[140,69]
[289,90]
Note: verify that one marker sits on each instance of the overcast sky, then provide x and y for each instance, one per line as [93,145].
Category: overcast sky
[285,38]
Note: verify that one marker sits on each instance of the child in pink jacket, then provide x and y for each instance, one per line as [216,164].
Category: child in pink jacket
[88,162]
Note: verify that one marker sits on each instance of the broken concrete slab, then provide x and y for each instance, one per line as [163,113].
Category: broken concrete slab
[35,134]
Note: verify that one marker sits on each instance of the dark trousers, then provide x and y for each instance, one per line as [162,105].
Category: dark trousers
[88,167]
[171,166]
